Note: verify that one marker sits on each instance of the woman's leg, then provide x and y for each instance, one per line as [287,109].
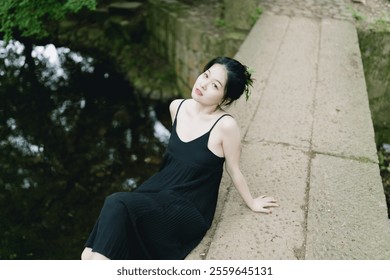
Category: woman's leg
[114,232]
[87,254]
[110,233]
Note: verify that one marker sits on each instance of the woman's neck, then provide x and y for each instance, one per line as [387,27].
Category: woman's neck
[205,110]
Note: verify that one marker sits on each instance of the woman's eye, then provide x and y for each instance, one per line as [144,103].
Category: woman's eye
[205,74]
[215,86]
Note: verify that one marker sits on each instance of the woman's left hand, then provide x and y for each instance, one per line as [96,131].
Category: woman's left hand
[263,204]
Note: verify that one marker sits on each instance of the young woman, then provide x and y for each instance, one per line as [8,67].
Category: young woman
[169,214]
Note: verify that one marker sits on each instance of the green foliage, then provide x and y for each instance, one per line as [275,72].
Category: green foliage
[357,16]
[256,14]
[381,24]
[219,22]
[31,18]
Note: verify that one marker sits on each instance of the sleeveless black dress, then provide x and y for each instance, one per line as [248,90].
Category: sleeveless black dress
[169,214]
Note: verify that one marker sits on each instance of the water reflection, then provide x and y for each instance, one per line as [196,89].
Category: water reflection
[71,132]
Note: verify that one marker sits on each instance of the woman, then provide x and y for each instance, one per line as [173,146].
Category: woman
[168,215]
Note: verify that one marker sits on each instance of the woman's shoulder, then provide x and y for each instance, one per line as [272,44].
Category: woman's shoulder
[175,103]
[228,124]
[173,107]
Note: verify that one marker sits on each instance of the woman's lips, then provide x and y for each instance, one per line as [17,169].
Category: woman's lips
[198,92]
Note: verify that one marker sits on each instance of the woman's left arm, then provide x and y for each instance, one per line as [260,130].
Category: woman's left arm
[231,144]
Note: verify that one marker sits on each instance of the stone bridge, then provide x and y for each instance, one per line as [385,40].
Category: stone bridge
[308,140]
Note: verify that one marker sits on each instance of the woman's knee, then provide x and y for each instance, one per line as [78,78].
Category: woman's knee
[114,198]
[113,206]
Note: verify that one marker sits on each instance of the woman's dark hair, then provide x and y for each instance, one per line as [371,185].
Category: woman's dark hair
[238,78]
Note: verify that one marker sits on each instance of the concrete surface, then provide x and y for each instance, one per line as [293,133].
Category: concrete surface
[308,140]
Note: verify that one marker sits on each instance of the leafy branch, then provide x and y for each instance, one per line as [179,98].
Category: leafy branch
[31,18]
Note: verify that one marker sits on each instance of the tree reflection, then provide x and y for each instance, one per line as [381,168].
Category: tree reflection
[71,132]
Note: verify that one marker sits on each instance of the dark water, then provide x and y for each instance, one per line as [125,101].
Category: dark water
[72,131]
[384,166]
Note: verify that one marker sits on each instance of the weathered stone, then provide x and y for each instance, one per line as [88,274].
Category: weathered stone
[271,169]
[341,99]
[170,30]
[288,99]
[347,210]
[125,8]
[194,39]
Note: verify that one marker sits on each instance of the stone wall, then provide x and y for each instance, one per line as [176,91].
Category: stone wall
[160,46]
[375,49]
[188,36]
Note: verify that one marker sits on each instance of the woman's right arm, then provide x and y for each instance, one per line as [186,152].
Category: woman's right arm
[232,151]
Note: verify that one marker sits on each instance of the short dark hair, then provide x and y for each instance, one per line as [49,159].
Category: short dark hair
[238,78]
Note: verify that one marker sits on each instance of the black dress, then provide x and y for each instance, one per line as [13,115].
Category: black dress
[168,215]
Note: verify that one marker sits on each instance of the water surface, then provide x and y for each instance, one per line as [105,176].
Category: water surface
[72,131]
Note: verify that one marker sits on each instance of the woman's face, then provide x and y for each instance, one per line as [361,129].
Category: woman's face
[209,87]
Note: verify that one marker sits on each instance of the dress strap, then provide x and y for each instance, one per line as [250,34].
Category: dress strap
[178,108]
[218,120]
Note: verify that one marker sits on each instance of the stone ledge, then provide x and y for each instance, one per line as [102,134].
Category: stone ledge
[307,184]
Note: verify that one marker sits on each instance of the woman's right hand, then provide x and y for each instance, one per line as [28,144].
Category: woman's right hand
[262,204]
